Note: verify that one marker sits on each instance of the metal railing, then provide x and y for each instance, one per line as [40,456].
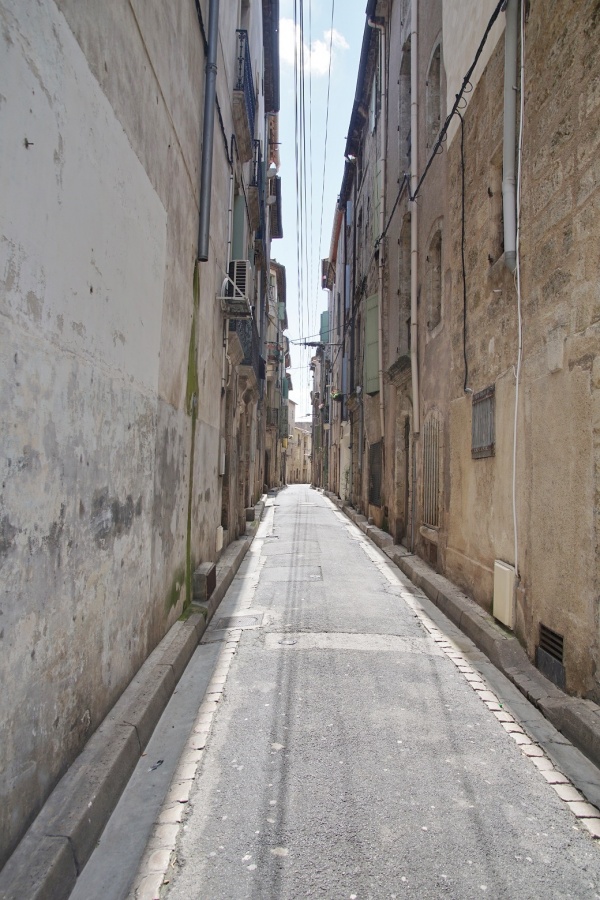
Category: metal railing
[247,333]
[256,178]
[431,473]
[283,422]
[244,81]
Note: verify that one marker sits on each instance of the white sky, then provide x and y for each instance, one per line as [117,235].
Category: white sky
[348,27]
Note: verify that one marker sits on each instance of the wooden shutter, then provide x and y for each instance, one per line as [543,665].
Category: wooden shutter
[371,346]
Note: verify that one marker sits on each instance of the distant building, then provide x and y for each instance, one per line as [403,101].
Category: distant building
[299,454]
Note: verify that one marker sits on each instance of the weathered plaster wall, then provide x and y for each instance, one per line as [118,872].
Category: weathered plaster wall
[479,506]
[557,480]
[561,221]
[100,122]
[83,249]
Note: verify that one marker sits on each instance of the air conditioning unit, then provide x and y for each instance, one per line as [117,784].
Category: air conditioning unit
[237,291]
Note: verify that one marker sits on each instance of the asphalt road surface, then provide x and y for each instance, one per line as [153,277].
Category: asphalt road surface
[349,755]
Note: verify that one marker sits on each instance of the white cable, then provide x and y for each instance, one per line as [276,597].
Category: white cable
[518,285]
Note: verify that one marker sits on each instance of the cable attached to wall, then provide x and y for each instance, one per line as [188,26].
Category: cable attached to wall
[518,286]
[462,251]
[466,88]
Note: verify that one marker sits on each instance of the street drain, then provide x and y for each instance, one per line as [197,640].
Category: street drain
[239,622]
[287,643]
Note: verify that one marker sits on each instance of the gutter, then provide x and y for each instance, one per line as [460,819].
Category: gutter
[357,116]
[509,197]
[414,246]
[380,261]
[208,130]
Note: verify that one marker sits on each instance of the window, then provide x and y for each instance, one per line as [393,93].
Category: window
[404,99]
[404,283]
[496,217]
[372,345]
[373,106]
[239,221]
[433,96]
[375,473]
[431,473]
[482,423]
[434,280]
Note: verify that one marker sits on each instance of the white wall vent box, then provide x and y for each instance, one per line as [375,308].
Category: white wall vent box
[503,607]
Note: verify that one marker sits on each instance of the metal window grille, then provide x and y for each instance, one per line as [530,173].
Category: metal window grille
[482,427]
[549,656]
[375,473]
[431,473]
[244,81]
[551,642]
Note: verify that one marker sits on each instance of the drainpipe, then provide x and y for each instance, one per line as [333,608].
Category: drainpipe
[414,246]
[510,135]
[208,130]
[414,254]
[382,163]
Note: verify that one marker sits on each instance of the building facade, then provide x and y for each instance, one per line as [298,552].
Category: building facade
[134,268]
[278,380]
[299,454]
[463,274]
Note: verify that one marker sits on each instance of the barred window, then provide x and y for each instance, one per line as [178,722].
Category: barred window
[431,473]
[482,423]
[375,473]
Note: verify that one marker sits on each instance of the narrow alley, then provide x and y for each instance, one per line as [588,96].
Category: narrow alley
[348,745]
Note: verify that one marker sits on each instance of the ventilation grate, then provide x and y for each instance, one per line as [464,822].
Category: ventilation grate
[551,642]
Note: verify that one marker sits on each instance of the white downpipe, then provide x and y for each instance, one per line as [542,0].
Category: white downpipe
[414,247]
[227,367]
[382,164]
[509,200]
[230,218]
[518,285]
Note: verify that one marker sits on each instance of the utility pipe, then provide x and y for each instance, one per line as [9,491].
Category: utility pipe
[208,129]
[414,247]
[382,163]
[509,201]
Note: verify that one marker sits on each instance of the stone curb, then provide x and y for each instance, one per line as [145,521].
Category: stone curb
[577,719]
[49,858]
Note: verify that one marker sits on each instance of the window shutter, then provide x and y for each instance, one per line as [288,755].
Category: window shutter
[371,346]
[376,200]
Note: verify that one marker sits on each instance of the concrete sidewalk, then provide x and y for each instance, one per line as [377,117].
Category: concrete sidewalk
[578,720]
[55,849]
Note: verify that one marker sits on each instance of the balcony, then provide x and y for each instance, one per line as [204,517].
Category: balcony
[247,333]
[283,422]
[255,190]
[275,210]
[244,104]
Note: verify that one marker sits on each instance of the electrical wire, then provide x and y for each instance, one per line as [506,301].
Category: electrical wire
[462,249]
[466,88]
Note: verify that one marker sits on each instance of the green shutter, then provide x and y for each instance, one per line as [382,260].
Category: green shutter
[325,327]
[239,218]
[372,346]
[376,200]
